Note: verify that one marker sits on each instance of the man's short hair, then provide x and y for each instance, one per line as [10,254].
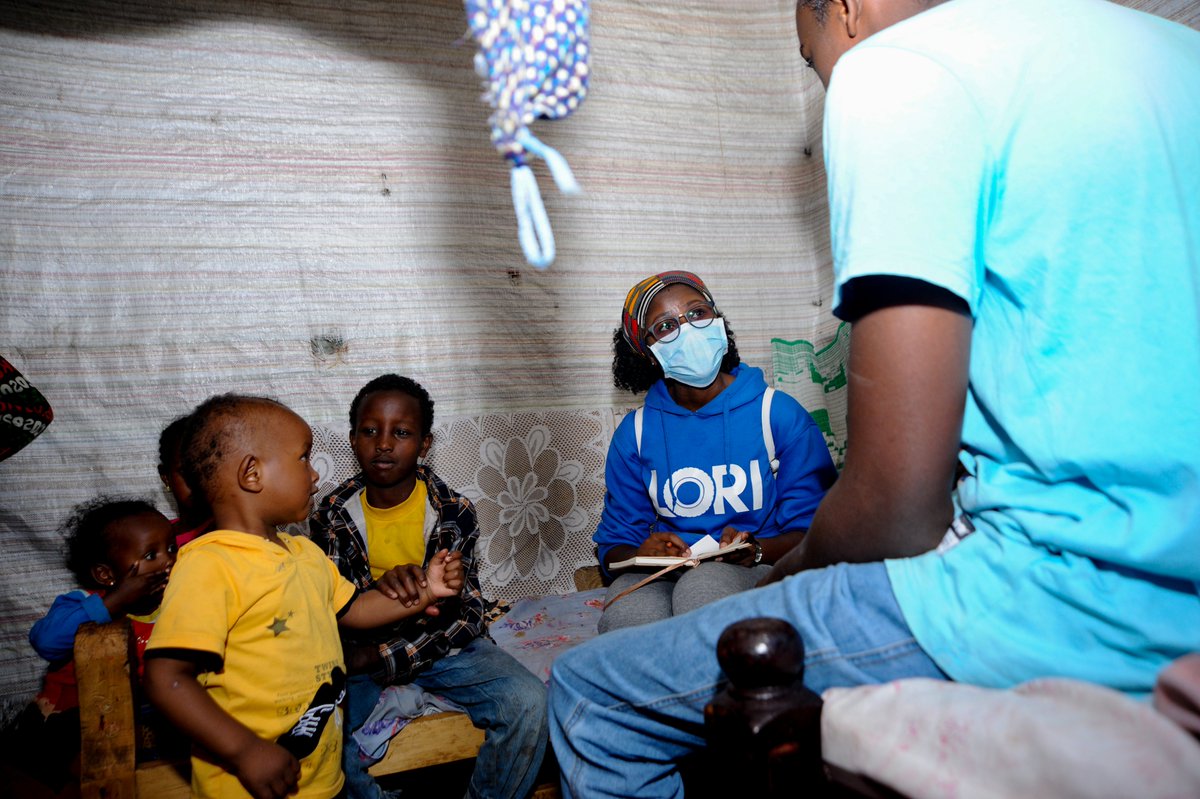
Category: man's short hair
[819,8]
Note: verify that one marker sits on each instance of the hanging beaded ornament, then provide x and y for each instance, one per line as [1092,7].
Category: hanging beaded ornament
[533,55]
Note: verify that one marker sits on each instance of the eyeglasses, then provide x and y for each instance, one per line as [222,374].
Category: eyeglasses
[699,317]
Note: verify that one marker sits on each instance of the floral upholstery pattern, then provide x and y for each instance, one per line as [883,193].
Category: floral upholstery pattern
[534,490]
[537,481]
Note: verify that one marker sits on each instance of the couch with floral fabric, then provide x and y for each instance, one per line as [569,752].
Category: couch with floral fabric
[536,479]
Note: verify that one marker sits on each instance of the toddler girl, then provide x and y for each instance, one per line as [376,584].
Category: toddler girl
[121,552]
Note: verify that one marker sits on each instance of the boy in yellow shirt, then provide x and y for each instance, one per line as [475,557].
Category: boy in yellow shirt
[246,658]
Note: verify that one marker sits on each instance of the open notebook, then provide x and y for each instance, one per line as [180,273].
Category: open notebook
[704,549]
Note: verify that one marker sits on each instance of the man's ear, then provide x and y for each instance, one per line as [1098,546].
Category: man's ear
[250,477]
[848,14]
[104,575]
[425,442]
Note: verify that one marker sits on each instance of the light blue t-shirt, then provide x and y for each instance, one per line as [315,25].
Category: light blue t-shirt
[1042,161]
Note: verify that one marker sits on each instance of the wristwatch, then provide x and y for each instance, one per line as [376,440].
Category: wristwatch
[757,551]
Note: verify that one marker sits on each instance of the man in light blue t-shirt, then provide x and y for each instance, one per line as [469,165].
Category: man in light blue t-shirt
[1014,191]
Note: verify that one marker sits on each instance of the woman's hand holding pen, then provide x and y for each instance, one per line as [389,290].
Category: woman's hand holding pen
[664,544]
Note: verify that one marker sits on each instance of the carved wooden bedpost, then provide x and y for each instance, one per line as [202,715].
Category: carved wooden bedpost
[765,725]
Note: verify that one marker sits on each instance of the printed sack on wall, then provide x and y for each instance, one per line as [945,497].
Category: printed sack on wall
[817,379]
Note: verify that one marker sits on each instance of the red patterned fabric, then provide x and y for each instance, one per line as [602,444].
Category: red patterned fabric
[24,412]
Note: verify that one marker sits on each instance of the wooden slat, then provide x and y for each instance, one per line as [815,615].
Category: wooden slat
[102,658]
[162,780]
[431,741]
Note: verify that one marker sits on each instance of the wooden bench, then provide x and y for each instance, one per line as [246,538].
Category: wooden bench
[109,767]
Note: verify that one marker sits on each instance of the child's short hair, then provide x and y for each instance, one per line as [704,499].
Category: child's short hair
[211,428]
[85,531]
[170,442]
[405,385]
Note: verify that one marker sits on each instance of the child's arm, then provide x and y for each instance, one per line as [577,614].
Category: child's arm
[265,769]
[135,587]
[53,635]
[444,578]
[404,583]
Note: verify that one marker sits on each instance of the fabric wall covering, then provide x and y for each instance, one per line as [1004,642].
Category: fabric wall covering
[289,198]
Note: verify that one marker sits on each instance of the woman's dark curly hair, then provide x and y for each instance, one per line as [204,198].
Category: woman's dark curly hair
[635,373]
[87,533]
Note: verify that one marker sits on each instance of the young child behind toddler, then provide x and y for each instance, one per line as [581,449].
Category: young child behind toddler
[245,658]
[121,551]
[194,517]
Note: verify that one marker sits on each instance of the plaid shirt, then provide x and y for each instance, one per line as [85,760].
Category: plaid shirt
[413,644]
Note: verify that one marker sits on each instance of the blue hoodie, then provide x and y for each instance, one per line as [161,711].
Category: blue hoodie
[709,468]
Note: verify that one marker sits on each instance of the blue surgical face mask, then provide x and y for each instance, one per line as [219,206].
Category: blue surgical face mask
[694,356]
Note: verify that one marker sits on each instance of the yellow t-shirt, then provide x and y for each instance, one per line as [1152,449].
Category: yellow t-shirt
[269,612]
[396,535]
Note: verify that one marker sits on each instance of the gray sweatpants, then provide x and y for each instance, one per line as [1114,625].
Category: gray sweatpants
[676,593]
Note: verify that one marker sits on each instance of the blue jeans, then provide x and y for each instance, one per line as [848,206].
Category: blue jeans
[627,706]
[500,695]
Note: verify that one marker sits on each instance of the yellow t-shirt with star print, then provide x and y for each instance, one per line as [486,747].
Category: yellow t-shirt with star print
[269,612]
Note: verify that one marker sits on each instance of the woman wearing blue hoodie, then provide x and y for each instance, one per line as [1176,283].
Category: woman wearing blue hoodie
[713,451]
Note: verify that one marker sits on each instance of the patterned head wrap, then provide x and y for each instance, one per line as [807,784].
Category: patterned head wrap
[533,57]
[637,303]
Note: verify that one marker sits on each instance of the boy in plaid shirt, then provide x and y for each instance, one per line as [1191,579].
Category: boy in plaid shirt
[394,515]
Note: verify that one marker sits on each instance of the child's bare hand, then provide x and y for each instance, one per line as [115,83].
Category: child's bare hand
[135,587]
[267,770]
[403,583]
[446,574]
